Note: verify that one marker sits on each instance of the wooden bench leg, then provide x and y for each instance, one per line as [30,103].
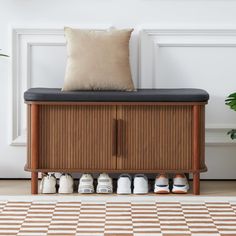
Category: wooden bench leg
[196,150]
[34,146]
[34,183]
[196,183]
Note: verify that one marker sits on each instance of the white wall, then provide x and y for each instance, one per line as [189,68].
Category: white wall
[183,43]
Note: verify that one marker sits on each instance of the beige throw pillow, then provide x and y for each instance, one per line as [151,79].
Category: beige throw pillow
[98,60]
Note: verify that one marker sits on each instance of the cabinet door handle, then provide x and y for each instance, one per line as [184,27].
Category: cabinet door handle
[114,137]
[119,137]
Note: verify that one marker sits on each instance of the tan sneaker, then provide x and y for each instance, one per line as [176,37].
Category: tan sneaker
[180,184]
[161,184]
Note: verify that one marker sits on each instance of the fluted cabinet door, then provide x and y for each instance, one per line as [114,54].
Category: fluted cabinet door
[77,137]
[154,137]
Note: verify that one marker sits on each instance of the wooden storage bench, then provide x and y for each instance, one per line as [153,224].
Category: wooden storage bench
[146,131]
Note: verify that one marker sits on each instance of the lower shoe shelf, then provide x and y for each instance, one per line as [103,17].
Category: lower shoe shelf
[104,185]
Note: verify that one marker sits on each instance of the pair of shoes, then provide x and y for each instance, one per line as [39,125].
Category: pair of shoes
[104,184]
[140,184]
[180,184]
[49,183]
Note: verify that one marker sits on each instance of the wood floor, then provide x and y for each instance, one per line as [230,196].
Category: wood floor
[208,188]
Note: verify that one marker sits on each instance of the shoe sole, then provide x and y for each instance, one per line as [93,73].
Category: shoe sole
[179,192]
[65,191]
[85,191]
[104,190]
[124,191]
[48,191]
[162,192]
[140,192]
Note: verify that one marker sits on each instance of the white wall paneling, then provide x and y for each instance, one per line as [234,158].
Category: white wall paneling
[24,41]
[172,58]
[152,40]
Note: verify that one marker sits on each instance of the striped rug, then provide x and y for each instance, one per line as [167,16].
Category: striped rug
[124,218]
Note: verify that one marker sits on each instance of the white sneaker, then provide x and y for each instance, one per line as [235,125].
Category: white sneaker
[66,184]
[180,184]
[48,184]
[104,184]
[124,184]
[161,184]
[86,184]
[140,184]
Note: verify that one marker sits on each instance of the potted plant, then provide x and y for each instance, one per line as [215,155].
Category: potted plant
[231,102]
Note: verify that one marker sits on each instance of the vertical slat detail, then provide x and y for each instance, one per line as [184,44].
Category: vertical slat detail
[154,137]
[157,137]
[76,137]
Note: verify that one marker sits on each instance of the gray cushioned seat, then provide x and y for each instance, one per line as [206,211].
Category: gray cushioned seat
[141,95]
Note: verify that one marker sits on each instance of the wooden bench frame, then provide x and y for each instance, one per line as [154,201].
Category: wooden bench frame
[198,139]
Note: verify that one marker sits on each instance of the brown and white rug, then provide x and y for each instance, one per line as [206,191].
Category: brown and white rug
[123,218]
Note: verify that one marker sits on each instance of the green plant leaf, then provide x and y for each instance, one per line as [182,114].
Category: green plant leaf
[3,55]
[231,101]
[232,133]
[232,94]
